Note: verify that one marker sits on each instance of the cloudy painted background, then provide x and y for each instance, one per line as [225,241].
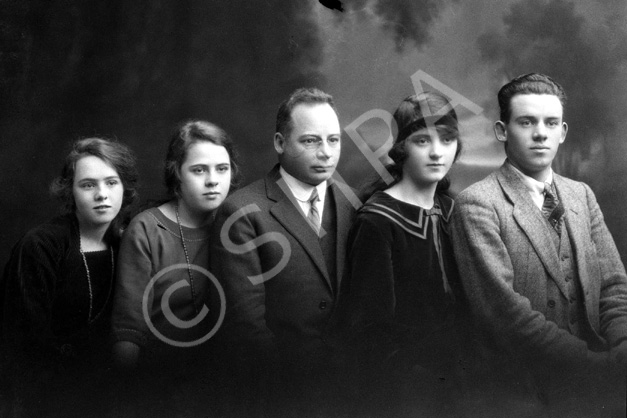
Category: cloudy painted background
[132,70]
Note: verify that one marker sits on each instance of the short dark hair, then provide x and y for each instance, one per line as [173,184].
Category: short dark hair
[310,95]
[532,83]
[114,153]
[187,134]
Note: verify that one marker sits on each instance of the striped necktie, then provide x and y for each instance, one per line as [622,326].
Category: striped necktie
[314,215]
[552,208]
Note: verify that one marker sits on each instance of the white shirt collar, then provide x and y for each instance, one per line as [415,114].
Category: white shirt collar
[302,191]
[534,187]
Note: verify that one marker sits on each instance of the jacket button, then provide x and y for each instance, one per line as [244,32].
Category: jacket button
[551,303]
[323,304]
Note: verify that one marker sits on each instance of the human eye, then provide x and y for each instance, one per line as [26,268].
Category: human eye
[87,185]
[311,142]
[334,140]
[223,168]
[553,123]
[525,122]
[421,139]
[113,182]
[197,169]
[449,139]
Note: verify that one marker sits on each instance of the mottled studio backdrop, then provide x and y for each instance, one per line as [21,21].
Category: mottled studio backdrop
[133,69]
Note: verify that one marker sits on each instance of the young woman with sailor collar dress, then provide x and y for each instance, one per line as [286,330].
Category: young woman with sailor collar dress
[165,304]
[58,283]
[399,306]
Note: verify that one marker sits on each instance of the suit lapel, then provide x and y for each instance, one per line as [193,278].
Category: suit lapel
[287,212]
[344,210]
[531,221]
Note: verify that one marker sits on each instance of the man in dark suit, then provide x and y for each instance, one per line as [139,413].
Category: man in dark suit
[539,267]
[279,244]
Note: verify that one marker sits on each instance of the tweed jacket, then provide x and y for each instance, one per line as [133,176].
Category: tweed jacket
[506,258]
[270,263]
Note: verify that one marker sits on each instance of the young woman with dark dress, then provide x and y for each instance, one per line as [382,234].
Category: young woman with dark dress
[58,284]
[399,308]
[166,307]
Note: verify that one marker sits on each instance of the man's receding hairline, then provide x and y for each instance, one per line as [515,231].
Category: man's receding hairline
[311,104]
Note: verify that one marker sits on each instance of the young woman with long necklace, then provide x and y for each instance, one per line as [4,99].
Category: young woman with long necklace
[166,305]
[58,284]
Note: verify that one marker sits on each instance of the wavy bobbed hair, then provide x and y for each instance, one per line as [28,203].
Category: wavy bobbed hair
[114,153]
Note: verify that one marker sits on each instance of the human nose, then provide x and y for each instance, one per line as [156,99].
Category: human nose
[436,149]
[324,150]
[101,193]
[540,132]
[211,179]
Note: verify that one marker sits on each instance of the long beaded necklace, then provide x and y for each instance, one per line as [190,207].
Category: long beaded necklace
[91,320]
[189,268]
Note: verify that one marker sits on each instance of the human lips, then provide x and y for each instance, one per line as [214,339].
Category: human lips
[102,207]
[323,168]
[211,194]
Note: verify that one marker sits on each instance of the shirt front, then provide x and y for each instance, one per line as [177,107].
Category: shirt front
[534,187]
[302,192]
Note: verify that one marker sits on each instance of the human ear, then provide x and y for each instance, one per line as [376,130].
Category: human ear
[564,132]
[279,143]
[500,131]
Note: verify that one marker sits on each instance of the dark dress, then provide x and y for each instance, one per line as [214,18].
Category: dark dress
[55,346]
[399,309]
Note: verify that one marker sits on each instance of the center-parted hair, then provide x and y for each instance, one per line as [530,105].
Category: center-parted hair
[186,135]
[300,96]
[532,83]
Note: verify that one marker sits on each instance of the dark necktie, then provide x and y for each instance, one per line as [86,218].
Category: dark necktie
[314,215]
[552,208]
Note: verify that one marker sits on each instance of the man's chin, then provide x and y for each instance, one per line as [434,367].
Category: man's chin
[318,178]
[324,176]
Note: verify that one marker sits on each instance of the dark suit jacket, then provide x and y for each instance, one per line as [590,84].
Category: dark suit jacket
[506,258]
[269,261]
